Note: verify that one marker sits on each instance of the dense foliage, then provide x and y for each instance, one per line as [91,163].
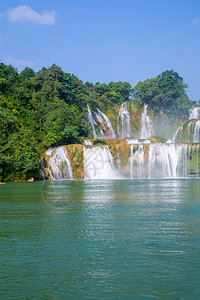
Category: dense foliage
[165,93]
[37,111]
[49,108]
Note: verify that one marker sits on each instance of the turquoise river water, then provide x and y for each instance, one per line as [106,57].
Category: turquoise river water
[108,239]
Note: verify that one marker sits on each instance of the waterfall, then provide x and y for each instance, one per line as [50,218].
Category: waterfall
[146,124]
[91,121]
[188,134]
[196,137]
[160,161]
[99,163]
[137,162]
[59,164]
[178,134]
[42,163]
[167,161]
[49,151]
[41,173]
[103,119]
[194,113]
[178,158]
[123,122]
[42,176]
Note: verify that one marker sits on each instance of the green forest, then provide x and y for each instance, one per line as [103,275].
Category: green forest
[49,108]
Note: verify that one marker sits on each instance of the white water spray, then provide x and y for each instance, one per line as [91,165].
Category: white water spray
[147,125]
[91,121]
[196,137]
[160,161]
[194,113]
[167,161]
[137,162]
[59,164]
[99,163]
[102,118]
[123,122]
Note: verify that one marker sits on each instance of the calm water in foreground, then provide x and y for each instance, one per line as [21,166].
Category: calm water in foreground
[123,239]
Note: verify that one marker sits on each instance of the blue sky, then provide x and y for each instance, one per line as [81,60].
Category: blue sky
[104,40]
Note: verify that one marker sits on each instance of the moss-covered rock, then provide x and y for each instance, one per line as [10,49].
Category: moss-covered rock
[99,142]
[158,139]
[75,153]
[188,133]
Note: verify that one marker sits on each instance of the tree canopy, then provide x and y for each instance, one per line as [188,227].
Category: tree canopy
[166,92]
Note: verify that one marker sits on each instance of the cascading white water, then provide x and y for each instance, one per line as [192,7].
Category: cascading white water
[146,124]
[104,119]
[59,164]
[194,113]
[147,160]
[99,163]
[167,161]
[137,141]
[137,162]
[177,134]
[196,137]
[123,122]
[50,150]
[162,161]
[91,121]
[191,135]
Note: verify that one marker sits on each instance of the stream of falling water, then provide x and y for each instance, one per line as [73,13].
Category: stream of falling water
[162,161]
[194,113]
[99,163]
[59,164]
[146,124]
[123,122]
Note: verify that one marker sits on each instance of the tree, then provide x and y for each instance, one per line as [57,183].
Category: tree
[27,73]
[165,93]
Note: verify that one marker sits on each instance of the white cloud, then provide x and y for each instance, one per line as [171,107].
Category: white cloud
[196,21]
[25,13]
[18,62]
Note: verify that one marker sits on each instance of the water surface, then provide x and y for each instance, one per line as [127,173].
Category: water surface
[108,239]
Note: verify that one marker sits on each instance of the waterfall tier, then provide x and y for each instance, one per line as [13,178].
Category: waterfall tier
[99,163]
[146,124]
[117,159]
[123,122]
[103,121]
[127,157]
[99,119]
[164,161]
[59,164]
[188,133]
[91,121]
